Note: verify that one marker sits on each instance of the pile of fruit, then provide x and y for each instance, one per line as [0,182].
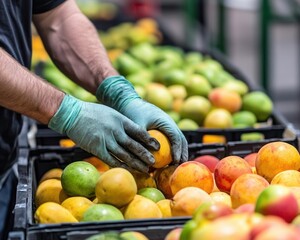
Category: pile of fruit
[254,195]
[195,90]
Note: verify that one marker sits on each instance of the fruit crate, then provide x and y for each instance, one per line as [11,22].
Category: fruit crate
[33,163]
[277,127]
[237,148]
[274,127]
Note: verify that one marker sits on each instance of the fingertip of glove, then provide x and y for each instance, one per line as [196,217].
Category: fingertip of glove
[154,144]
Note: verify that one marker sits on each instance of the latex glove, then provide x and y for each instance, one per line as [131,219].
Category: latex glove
[105,133]
[119,94]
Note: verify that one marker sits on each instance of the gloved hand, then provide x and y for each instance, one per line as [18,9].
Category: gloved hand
[105,133]
[118,93]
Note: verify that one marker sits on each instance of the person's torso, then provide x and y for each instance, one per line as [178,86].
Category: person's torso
[15,39]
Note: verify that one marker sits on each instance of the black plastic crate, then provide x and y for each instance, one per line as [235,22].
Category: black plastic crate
[153,229]
[32,165]
[238,148]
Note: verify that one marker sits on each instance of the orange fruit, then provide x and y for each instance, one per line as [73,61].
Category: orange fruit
[165,207]
[142,207]
[191,174]
[77,206]
[208,138]
[133,235]
[54,173]
[289,178]
[51,212]
[50,191]
[163,156]
[66,143]
[275,157]
[98,164]
[162,178]
[246,189]
[116,186]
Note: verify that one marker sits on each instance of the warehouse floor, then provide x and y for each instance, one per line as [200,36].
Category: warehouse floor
[243,52]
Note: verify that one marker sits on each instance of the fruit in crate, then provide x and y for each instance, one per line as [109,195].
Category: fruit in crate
[191,174]
[45,214]
[77,206]
[277,200]
[228,170]
[102,212]
[141,207]
[116,186]
[195,108]
[259,103]
[165,207]
[79,179]
[163,156]
[246,189]
[151,193]
[187,200]
[275,157]
[218,118]
[196,84]
[226,99]
[50,190]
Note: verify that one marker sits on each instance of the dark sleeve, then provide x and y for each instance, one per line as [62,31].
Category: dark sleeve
[41,6]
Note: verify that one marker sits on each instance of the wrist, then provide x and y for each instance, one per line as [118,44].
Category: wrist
[66,114]
[116,92]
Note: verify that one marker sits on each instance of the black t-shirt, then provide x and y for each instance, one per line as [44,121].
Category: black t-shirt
[15,38]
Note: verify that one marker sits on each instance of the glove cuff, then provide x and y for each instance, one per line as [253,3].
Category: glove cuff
[116,92]
[66,114]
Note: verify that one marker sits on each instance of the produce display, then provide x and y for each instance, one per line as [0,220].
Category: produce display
[252,196]
[194,89]
[248,192]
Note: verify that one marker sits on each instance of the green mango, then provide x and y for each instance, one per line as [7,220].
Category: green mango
[128,64]
[259,103]
[144,52]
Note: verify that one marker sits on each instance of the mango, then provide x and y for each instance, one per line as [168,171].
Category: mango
[45,214]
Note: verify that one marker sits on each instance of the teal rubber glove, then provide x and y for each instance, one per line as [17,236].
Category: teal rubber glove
[118,93]
[104,132]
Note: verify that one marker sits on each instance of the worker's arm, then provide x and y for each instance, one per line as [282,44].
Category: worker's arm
[24,92]
[94,127]
[74,45]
